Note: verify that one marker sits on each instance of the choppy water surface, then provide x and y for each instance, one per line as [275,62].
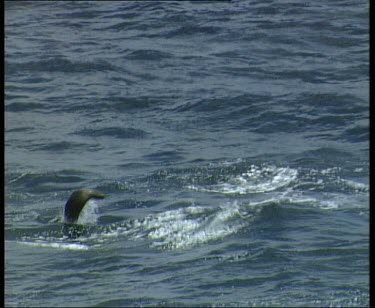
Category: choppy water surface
[231,140]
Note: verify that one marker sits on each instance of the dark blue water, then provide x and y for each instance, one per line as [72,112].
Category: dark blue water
[231,140]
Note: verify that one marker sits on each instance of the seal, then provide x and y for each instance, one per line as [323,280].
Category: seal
[77,201]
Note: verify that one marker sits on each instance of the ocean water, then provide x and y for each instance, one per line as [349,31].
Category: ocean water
[231,140]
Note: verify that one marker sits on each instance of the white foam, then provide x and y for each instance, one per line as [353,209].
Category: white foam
[187,226]
[256,180]
[357,186]
[69,246]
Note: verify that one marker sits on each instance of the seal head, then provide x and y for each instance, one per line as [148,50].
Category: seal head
[76,203]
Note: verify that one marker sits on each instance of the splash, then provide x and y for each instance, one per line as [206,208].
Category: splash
[185,227]
[90,213]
